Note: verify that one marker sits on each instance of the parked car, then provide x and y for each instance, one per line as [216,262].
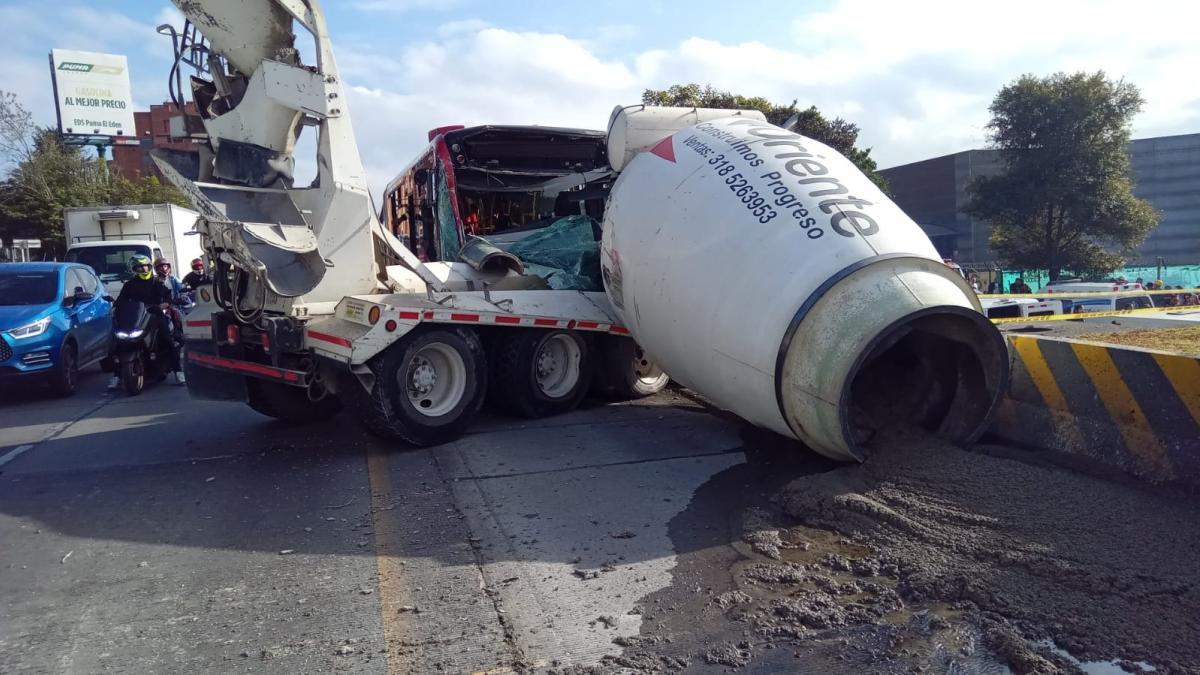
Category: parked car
[55,319]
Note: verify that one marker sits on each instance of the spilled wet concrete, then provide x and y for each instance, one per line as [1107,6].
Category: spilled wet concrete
[926,558]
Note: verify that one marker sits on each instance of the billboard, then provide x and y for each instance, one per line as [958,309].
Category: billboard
[92,93]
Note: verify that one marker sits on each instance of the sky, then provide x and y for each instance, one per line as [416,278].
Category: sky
[916,76]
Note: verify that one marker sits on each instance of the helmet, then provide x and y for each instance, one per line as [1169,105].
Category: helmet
[140,265]
[197,262]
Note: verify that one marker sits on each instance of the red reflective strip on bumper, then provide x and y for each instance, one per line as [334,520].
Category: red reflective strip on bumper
[587,325]
[332,339]
[411,316]
[198,324]
[620,330]
[550,323]
[511,320]
[464,317]
[244,366]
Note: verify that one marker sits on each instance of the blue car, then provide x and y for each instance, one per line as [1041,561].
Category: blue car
[55,319]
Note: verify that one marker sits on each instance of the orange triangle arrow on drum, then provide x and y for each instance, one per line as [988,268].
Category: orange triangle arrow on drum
[665,149]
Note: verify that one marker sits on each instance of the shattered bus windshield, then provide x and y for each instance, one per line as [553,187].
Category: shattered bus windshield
[500,183]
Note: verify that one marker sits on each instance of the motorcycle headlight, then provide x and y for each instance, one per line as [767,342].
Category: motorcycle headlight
[131,335]
[30,330]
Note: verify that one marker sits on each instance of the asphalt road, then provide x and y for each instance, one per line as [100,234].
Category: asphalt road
[161,534]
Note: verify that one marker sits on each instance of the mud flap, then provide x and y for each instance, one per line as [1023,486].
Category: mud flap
[208,384]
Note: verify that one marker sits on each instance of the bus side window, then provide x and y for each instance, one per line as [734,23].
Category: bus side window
[398,220]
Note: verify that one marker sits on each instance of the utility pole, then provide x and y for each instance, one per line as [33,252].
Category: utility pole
[102,157]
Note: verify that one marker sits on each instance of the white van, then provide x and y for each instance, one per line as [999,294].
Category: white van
[1084,304]
[1077,286]
[1012,308]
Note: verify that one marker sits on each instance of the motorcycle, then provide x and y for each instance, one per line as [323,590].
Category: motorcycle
[142,352]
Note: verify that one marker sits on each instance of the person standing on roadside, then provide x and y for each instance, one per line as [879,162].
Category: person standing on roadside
[1019,287]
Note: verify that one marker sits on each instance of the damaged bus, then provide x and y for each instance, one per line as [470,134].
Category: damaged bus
[499,183]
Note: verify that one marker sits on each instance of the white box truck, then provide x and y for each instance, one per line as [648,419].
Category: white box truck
[105,237]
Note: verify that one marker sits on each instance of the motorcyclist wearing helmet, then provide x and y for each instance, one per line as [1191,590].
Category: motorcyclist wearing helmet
[162,272]
[144,288]
[198,276]
[180,298]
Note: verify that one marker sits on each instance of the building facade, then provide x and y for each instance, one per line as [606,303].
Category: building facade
[153,131]
[1166,172]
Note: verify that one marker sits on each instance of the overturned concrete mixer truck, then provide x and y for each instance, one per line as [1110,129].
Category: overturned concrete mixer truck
[756,266]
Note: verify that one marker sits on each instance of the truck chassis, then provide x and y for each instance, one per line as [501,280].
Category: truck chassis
[419,368]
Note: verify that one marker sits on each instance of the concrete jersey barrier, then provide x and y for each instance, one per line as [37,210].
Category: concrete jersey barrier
[1135,410]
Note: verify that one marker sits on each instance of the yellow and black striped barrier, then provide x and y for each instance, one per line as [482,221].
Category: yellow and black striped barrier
[1135,410]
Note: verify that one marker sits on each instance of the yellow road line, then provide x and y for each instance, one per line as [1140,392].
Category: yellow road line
[1184,375]
[387,554]
[1124,409]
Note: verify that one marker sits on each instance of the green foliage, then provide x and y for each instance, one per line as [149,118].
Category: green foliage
[1064,199]
[51,177]
[45,176]
[836,133]
[145,190]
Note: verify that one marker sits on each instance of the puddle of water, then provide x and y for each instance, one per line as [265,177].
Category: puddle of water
[1095,667]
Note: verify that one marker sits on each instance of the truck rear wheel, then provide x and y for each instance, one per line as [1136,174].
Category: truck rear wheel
[623,371]
[540,373]
[288,403]
[428,387]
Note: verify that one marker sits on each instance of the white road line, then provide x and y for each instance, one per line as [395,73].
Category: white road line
[54,431]
[15,453]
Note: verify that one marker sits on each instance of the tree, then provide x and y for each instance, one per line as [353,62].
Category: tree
[1064,198]
[50,178]
[836,133]
[45,176]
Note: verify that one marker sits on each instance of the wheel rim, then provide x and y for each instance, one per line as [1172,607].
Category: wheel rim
[644,370]
[435,379]
[72,374]
[556,365]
